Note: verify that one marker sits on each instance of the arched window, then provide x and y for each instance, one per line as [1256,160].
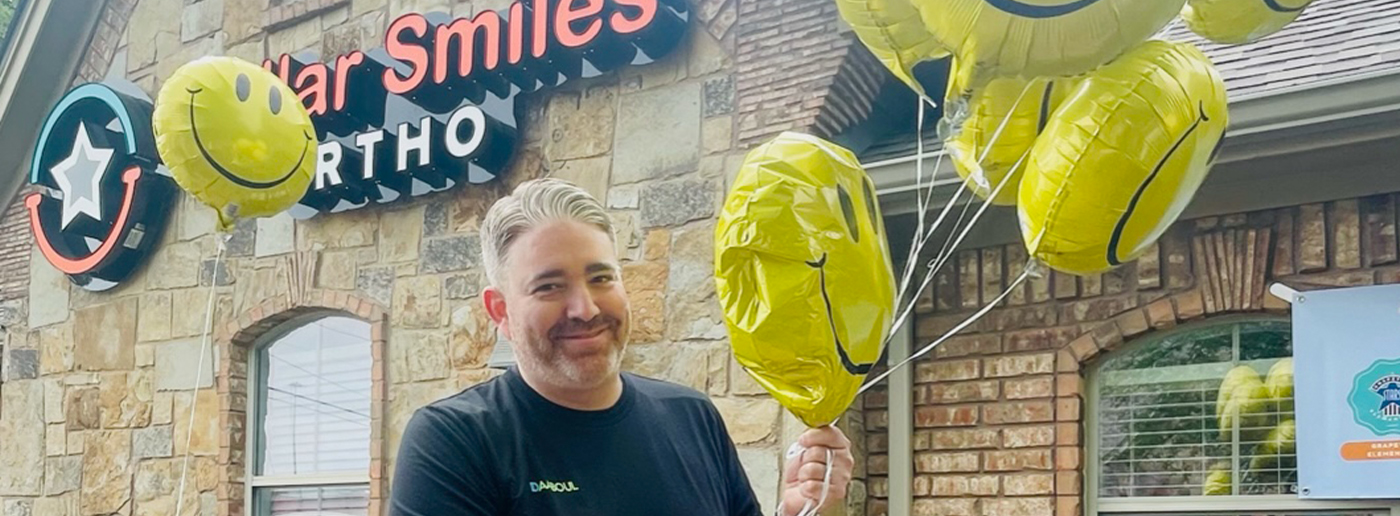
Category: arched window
[1200,420]
[309,447]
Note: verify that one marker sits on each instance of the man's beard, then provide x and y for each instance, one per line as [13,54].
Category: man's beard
[544,355]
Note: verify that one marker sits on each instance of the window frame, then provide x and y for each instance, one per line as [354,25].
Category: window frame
[257,410]
[1204,505]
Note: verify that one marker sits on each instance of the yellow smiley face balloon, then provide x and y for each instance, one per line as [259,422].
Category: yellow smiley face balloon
[803,272]
[995,127]
[1235,22]
[891,29]
[1122,158]
[1030,38]
[236,137]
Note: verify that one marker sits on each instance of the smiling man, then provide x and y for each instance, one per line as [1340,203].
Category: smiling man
[566,431]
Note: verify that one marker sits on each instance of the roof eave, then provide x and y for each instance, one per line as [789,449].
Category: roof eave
[39,63]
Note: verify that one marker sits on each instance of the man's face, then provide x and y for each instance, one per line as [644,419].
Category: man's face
[563,305]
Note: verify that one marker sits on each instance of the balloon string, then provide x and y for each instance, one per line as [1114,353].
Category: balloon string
[919,163]
[194,391]
[921,235]
[966,322]
[923,240]
[947,252]
[996,135]
[923,207]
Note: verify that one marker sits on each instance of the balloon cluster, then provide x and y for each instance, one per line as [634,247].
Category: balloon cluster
[1062,108]
[1099,137]
[1249,404]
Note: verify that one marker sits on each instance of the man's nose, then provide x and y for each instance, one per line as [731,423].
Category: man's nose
[581,305]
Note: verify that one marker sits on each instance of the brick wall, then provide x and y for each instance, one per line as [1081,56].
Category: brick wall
[798,68]
[15,241]
[999,409]
[98,56]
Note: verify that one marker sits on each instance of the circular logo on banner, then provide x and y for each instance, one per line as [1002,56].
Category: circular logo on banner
[101,203]
[1375,397]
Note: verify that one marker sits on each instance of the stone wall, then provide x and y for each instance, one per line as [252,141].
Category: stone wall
[998,418]
[96,387]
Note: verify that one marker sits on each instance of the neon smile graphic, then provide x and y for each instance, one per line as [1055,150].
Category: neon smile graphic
[102,205]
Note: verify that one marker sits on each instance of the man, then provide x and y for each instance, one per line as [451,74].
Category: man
[565,432]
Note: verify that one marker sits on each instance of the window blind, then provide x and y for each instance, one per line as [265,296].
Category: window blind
[1207,412]
[317,394]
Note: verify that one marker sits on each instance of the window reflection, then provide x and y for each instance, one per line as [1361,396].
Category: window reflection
[313,420]
[1204,412]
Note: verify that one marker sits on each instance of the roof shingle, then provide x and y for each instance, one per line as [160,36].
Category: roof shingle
[1333,39]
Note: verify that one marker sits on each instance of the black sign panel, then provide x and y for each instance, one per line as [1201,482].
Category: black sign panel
[103,204]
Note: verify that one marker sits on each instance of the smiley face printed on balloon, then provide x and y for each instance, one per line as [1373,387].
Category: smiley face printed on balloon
[803,273]
[1236,22]
[1031,38]
[235,136]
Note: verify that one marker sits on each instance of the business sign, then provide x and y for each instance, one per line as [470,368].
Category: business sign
[1346,344]
[102,203]
[438,104]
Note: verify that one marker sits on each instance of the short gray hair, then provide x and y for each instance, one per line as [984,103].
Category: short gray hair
[533,203]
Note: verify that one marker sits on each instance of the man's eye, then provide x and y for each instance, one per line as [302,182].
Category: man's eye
[546,288]
[606,278]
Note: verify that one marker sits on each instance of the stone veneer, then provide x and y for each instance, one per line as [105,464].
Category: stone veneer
[999,414]
[94,424]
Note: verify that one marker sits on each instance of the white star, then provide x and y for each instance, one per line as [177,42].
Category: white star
[79,176]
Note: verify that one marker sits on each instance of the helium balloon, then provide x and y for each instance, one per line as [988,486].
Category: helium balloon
[1278,444]
[891,29]
[1031,38]
[995,128]
[1279,381]
[803,274]
[1242,400]
[1234,22]
[1122,158]
[235,137]
[1218,481]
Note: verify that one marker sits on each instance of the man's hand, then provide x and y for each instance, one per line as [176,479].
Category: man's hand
[802,477]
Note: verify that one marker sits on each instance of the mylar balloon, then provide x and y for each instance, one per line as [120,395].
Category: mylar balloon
[235,137]
[1280,384]
[1032,38]
[1019,110]
[1242,401]
[1122,158]
[803,274]
[1280,443]
[891,29]
[1234,22]
[1217,482]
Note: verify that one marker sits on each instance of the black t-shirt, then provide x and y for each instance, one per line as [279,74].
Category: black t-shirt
[499,448]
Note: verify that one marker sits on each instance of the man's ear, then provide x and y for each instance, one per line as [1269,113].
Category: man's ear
[495,302]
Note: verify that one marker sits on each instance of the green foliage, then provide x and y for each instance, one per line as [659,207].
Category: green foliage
[7,12]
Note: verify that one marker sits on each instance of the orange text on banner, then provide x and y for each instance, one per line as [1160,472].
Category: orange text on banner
[1371,450]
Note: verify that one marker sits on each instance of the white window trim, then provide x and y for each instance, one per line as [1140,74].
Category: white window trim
[1093,505]
[250,437]
[316,480]
[1246,504]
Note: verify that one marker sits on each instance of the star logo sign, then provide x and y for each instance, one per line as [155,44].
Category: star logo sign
[79,177]
[99,204]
